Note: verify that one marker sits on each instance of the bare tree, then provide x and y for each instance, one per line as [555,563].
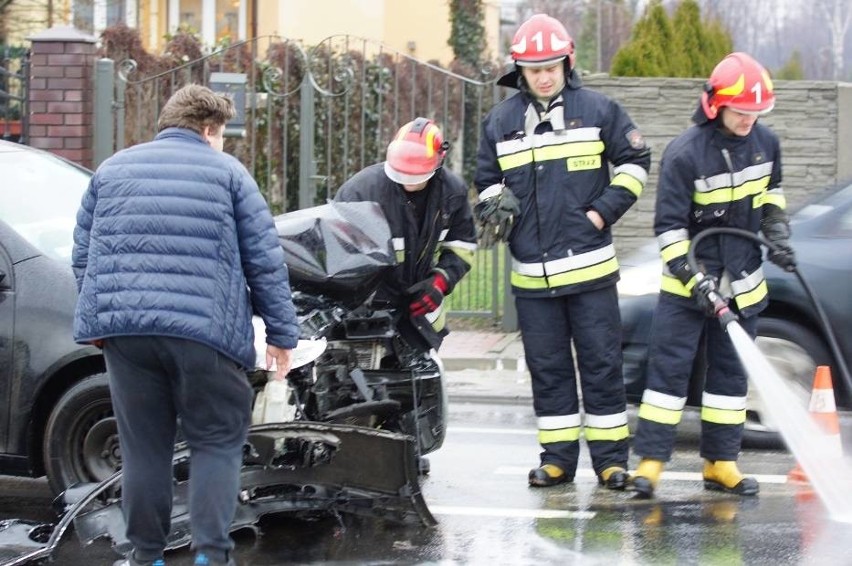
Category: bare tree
[837,15]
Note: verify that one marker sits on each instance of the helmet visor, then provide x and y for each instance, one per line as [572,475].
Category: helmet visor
[539,64]
[752,111]
[406,178]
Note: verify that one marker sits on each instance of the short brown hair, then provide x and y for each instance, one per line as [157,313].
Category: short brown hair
[194,107]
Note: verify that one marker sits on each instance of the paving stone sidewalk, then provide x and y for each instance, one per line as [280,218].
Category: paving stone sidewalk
[485,366]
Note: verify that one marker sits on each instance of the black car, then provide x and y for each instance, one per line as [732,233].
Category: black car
[57,417]
[789,331]
[54,398]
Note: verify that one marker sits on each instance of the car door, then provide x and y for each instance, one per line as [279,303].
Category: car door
[7,339]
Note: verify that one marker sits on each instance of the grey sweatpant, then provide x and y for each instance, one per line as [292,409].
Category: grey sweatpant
[154,381]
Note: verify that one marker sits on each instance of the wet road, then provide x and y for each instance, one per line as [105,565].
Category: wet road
[477,490]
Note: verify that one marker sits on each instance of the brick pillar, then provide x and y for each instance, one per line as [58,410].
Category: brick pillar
[61,91]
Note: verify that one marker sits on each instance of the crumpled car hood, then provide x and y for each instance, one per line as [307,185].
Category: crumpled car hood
[295,468]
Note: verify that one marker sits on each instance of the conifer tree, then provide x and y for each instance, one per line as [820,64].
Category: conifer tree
[683,46]
[646,54]
[793,69]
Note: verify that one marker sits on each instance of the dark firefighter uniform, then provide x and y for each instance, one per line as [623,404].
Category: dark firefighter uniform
[707,179]
[564,270]
[444,241]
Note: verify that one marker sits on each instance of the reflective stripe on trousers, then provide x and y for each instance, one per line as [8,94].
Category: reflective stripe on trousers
[592,321]
[676,337]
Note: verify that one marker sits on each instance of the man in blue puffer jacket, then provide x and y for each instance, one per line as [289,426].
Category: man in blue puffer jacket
[174,248]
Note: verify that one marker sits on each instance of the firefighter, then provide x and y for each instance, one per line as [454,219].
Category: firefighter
[544,182]
[431,224]
[723,171]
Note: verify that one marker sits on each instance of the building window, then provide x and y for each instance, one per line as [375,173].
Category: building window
[227,20]
[190,15]
[116,12]
[83,15]
[93,16]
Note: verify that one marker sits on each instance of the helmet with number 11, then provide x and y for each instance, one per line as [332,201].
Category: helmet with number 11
[541,41]
[739,83]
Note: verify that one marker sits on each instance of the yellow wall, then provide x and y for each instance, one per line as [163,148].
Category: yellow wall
[396,23]
[25,18]
[423,24]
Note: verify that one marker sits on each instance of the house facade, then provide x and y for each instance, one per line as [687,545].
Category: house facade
[414,27]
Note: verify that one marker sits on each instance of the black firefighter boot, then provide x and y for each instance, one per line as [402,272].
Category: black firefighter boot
[646,478]
[724,475]
[614,477]
[547,475]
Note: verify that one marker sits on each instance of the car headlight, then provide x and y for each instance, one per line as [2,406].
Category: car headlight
[305,351]
[643,279]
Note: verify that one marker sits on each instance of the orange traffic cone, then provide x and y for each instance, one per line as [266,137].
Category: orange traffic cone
[824,411]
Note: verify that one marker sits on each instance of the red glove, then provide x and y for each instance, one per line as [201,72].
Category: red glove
[427,295]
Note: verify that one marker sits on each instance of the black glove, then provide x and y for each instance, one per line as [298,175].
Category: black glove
[778,234]
[783,256]
[706,292]
[496,215]
[683,272]
[427,295]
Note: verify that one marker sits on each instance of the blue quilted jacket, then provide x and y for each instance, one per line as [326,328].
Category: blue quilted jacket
[173,238]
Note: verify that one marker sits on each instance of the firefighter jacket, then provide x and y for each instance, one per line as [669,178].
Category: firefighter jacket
[711,179]
[446,241]
[557,163]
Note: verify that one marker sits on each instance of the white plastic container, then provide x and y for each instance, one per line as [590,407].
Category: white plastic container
[271,405]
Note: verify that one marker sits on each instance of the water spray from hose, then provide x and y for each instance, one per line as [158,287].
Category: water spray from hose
[830,473]
[840,361]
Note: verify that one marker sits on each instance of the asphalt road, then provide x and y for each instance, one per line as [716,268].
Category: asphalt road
[487,514]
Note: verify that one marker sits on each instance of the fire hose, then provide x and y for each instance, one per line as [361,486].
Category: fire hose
[725,316]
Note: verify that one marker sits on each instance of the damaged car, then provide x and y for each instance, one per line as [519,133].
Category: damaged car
[362,405]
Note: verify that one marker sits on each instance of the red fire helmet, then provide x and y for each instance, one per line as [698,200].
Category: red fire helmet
[740,83]
[416,152]
[542,41]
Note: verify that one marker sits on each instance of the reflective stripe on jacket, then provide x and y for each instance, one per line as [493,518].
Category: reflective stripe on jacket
[447,241]
[558,167]
[707,180]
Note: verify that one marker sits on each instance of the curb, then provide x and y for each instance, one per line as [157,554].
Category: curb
[495,386]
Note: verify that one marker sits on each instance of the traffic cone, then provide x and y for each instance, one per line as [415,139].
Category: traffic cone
[824,411]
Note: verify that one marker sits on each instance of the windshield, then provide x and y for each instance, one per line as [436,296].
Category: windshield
[822,204]
[39,198]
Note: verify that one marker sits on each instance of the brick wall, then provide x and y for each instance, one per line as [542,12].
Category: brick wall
[60,93]
[812,118]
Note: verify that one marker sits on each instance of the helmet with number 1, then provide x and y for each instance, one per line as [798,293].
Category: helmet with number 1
[542,41]
[416,152]
[740,83]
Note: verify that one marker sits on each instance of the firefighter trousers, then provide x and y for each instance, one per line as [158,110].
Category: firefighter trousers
[591,321]
[677,333]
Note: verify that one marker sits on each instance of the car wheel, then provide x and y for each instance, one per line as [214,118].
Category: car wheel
[794,351]
[81,437]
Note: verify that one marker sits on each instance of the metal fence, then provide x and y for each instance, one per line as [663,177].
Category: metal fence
[14,82]
[314,117]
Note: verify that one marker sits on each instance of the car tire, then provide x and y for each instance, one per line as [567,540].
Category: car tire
[794,351]
[81,436]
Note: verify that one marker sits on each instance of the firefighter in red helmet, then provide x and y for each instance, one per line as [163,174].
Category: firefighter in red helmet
[723,171]
[431,224]
[558,165]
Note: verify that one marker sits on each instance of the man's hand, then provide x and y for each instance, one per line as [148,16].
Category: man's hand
[427,295]
[282,359]
[778,234]
[495,215]
[595,218]
[706,292]
[783,256]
